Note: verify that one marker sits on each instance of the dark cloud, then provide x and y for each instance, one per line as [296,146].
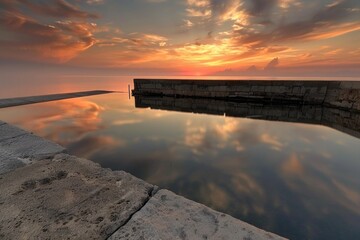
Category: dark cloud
[327,17]
[220,8]
[333,12]
[57,8]
[29,38]
[257,7]
[62,40]
[272,64]
[252,68]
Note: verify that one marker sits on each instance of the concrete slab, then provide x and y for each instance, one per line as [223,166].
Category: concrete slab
[169,216]
[18,147]
[67,198]
[30,147]
[8,162]
[8,131]
[10,102]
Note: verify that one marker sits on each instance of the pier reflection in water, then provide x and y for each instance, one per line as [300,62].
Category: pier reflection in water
[339,119]
[298,180]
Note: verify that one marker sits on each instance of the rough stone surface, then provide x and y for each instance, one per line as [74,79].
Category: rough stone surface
[67,198]
[18,147]
[10,102]
[8,162]
[28,146]
[169,216]
[8,131]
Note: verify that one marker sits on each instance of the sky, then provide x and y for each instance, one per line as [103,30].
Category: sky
[190,37]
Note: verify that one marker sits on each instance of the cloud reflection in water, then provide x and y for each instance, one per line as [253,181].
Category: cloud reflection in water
[298,180]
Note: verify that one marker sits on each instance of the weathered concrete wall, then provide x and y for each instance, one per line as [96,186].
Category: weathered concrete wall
[340,119]
[343,95]
[338,94]
[52,195]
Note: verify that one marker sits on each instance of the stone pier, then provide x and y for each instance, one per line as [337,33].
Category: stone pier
[339,94]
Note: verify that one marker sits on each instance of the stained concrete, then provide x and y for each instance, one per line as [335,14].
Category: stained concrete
[169,216]
[67,198]
[11,102]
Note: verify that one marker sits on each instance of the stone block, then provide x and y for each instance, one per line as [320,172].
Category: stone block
[8,131]
[30,146]
[296,90]
[9,162]
[67,198]
[18,147]
[169,216]
[148,86]
[268,89]
[257,88]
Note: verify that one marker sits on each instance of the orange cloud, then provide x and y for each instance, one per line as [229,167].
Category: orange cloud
[60,41]
[231,34]
[57,8]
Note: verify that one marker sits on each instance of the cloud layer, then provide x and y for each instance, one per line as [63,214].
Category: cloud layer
[203,36]
[29,38]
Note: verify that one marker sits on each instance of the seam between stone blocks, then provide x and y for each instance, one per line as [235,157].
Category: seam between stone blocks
[17,136]
[152,191]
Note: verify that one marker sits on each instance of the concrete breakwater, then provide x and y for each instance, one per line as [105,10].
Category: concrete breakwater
[340,94]
[339,119]
[12,102]
[49,194]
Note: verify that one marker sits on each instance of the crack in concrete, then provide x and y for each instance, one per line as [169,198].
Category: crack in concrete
[17,136]
[150,195]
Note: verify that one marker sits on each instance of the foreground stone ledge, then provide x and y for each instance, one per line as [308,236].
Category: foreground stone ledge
[169,216]
[18,147]
[67,198]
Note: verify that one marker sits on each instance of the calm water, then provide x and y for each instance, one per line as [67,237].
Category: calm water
[298,180]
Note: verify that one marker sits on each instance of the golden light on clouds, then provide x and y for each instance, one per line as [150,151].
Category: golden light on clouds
[204,36]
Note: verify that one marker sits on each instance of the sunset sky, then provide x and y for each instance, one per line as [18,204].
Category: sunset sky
[194,37]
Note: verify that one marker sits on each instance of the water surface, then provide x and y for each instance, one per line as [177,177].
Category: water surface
[298,180]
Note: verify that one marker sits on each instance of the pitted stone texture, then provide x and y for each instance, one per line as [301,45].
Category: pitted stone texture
[18,147]
[67,198]
[169,216]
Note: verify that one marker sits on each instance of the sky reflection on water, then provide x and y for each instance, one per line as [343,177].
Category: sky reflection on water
[298,180]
